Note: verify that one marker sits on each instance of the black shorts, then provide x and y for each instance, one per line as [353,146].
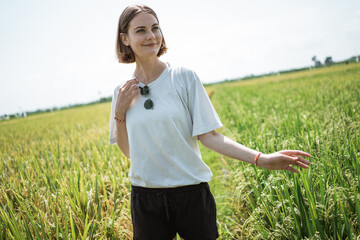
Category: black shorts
[160,213]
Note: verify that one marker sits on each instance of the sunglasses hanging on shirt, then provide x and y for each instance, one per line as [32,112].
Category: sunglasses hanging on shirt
[145,91]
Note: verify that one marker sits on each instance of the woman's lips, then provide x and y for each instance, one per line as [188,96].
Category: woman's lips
[150,45]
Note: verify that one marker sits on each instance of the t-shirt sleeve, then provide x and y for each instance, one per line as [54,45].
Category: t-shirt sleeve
[203,114]
[112,132]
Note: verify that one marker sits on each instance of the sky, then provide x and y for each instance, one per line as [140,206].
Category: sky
[56,53]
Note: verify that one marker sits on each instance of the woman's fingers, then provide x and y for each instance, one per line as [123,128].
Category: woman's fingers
[300,164]
[304,160]
[129,84]
[132,89]
[134,92]
[126,94]
[123,87]
[292,169]
[298,161]
[292,159]
[295,152]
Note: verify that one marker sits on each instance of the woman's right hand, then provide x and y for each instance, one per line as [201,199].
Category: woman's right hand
[125,96]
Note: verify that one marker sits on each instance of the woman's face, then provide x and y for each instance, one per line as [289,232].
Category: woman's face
[144,35]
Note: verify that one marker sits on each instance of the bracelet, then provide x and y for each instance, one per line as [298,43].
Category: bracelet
[256,158]
[119,120]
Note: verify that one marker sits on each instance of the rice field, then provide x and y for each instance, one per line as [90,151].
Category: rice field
[60,179]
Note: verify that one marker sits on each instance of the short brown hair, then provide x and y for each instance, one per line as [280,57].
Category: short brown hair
[124,53]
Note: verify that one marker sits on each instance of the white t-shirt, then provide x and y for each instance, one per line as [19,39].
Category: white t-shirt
[163,143]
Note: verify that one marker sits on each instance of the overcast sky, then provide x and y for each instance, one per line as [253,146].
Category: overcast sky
[55,53]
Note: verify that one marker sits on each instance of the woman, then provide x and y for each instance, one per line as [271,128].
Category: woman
[157,118]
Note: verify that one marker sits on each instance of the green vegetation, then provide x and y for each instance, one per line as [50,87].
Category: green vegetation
[60,179]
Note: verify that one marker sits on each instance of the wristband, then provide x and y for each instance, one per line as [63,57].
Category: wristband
[256,158]
[119,120]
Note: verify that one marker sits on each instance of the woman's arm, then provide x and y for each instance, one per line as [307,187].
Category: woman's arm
[279,160]
[125,96]
[122,137]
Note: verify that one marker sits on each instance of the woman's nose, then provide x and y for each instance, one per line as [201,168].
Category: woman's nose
[150,35]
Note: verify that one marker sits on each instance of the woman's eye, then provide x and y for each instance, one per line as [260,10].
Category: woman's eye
[140,30]
[155,28]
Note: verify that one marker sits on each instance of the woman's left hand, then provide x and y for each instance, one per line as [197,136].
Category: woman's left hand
[283,159]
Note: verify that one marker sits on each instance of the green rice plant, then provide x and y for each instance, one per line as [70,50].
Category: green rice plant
[60,179]
[315,111]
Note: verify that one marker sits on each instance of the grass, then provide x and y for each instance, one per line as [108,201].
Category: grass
[314,111]
[61,180]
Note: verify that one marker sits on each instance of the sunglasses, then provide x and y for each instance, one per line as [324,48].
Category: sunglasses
[148,104]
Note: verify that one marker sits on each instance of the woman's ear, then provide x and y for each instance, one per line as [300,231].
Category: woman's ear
[124,39]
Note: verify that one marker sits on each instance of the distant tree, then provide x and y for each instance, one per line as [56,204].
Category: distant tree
[105,99]
[316,62]
[328,61]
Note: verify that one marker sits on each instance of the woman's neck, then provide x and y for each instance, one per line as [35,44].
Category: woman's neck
[148,71]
